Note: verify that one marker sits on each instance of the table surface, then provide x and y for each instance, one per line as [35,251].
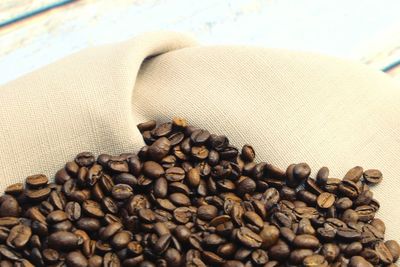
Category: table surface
[364,30]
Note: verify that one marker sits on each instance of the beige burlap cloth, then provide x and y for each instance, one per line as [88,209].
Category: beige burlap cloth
[293,107]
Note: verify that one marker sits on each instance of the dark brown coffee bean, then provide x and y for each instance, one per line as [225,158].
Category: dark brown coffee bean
[14,189]
[353,249]
[259,257]
[325,200]
[36,181]
[38,194]
[279,251]
[354,174]
[162,243]
[159,149]
[85,159]
[249,238]
[306,241]
[248,153]
[163,129]
[246,186]
[9,206]
[384,254]
[88,224]
[373,176]
[121,239]
[152,169]
[365,213]
[193,177]
[394,249]
[301,171]
[358,261]
[122,191]
[207,212]
[92,208]
[76,259]
[330,251]
[146,126]
[315,260]
[199,136]
[64,241]
[348,234]
[179,199]
[175,174]
[118,164]
[199,152]
[19,236]
[298,255]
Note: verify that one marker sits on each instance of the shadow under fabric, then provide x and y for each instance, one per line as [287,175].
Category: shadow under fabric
[291,106]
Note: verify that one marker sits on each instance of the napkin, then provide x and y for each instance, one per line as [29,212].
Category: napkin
[291,106]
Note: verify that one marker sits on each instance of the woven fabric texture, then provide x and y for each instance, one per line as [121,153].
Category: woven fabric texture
[291,106]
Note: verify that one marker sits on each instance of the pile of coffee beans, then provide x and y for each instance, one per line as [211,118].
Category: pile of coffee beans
[190,198]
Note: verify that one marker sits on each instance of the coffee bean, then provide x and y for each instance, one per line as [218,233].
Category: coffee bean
[175,174]
[306,241]
[19,236]
[122,191]
[315,260]
[373,176]
[159,149]
[248,153]
[354,174]
[325,200]
[152,169]
[199,136]
[207,212]
[36,181]
[179,199]
[9,206]
[146,126]
[85,159]
[64,241]
[38,194]
[193,177]
[249,238]
[358,261]
[163,129]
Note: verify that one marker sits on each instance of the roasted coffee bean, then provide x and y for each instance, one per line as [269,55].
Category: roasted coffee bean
[122,191]
[159,149]
[314,261]
[297,256]
[354,174]
[325,200]
[9,206]
[76,259]
[280,251]
[193,177]
[248,153]
[85,159]
[152,169]
[179,199]
[175,174]
[38,194]
[146,126]
[19,236]
[373,176]
[306,241]
[64,240]
[207,212]
[249,238]
[358,261]
[384,254]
